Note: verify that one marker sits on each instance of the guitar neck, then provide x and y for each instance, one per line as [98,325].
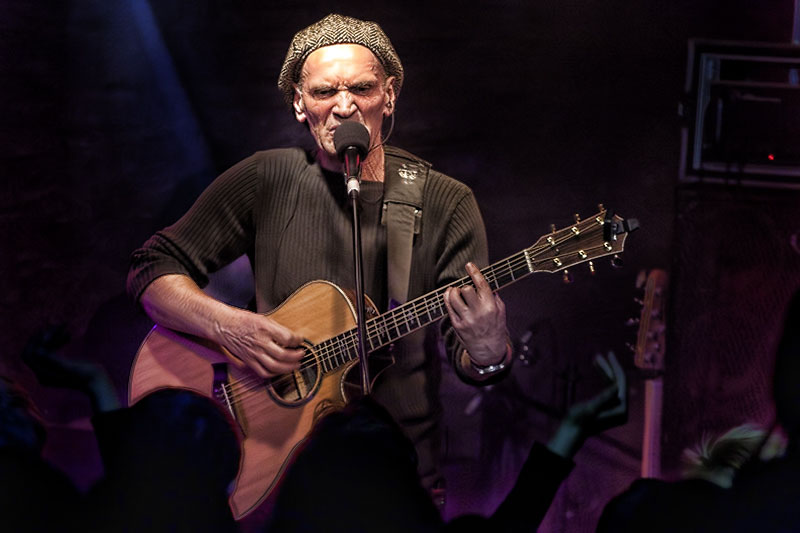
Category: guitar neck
[426,309]
[592,238]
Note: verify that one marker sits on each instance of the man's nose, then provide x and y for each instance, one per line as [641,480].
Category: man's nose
[345,103]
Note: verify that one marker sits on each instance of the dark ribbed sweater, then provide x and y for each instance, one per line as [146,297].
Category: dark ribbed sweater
[293,221]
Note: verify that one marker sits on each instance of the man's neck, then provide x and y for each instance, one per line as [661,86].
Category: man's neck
[372,168]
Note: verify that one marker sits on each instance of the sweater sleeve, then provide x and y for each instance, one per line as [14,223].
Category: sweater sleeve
[527,503]
[216,230]
[536,487]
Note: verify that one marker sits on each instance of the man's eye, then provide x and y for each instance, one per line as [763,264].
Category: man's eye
[323,93]
[361,90]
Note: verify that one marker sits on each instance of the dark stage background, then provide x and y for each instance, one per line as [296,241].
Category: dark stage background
[115,115]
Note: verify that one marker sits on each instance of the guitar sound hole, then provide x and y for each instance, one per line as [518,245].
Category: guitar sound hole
[299,386]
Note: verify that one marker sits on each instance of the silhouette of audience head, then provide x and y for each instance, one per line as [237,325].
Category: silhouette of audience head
[356,472]
[170,466]
[34,495]
[179,432]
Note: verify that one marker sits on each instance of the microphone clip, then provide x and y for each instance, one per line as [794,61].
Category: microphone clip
[352,170]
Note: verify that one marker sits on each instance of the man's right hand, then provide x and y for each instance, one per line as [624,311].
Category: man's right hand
[265,346]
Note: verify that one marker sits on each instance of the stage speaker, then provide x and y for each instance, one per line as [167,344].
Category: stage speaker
[736,263]
[741,111]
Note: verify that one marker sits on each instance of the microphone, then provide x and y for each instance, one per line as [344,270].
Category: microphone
[351,141]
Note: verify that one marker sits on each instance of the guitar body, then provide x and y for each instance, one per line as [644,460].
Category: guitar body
[272,423]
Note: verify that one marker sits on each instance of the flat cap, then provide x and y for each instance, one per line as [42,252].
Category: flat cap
[338,29]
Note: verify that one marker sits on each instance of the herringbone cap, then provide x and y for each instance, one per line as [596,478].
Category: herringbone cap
[338,29]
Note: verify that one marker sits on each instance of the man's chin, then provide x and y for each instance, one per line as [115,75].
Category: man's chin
[326,145]
[329,150]
[328,159]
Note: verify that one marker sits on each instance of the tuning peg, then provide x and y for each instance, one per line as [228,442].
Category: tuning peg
[552,228]
[566,277]
[632,322]
[591,267]
[616,261]
[577,217]
[600,207]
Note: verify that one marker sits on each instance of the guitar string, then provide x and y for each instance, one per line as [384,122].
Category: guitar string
[349,341]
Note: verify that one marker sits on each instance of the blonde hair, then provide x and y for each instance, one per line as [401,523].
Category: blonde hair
[717,460]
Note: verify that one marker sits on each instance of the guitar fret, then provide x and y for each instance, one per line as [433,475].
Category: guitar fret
[323,360]
[352,347]
[384,333]
[411,317]
[374,341]
[507,279]
[521,265]
[491,278]
[439,305]
[327,354]
[429,316]
[402,326]
[342,350]
[427,309]
[394,319]
[374,328]
[331,355]
[510,270]
[351,351]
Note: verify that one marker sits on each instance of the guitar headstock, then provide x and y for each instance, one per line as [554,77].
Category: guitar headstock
[651,337]
[601,235]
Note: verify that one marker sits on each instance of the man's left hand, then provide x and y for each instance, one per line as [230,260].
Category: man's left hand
[479,317]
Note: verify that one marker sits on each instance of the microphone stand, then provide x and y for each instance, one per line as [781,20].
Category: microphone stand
[353,190]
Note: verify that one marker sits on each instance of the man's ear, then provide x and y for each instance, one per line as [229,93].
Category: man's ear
[389,97]
[298,105]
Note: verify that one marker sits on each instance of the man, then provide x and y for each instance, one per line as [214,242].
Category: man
[288,211]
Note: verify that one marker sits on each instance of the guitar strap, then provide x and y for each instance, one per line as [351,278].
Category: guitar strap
[402,215]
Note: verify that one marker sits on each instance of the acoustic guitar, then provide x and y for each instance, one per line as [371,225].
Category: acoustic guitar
[275,415]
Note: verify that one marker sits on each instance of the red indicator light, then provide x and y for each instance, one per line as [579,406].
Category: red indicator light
[771,157]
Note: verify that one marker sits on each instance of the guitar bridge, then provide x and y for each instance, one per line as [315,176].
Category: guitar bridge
[220,388]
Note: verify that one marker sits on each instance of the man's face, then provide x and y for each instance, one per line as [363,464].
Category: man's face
[342,82]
